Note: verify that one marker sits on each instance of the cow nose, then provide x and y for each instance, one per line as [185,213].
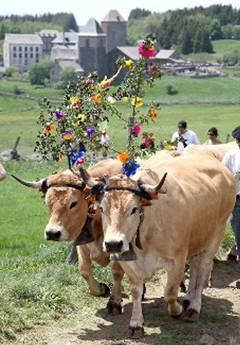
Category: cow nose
[113,246]
[53,235]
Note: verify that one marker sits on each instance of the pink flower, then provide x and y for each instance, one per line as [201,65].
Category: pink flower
[136,129]
[146,50]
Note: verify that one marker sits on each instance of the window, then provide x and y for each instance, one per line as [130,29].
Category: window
[37,55]
[14,49]
[26,49]
[31,55]
[37,60]
[31,49]
[20,49]
[14,55]
[37,49]
[20,55]
[87,43]
[26,55]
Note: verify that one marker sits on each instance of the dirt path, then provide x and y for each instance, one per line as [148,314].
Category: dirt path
[219,323]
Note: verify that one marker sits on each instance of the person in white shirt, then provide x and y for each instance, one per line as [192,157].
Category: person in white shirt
[232,161]
[184,136]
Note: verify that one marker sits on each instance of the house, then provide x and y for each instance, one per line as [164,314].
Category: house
[22,50]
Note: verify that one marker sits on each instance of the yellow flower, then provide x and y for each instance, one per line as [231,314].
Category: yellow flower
[96,98]
[105,84]
[128,63]
[124,99]
[111,100]
[137,102]
[49,128]
[74,100]
[123,156]
[81,117]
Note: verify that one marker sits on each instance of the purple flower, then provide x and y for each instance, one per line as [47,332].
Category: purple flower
[89,81]
[90,131]
[60,114]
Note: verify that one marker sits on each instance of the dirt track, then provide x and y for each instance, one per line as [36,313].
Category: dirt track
[219,323]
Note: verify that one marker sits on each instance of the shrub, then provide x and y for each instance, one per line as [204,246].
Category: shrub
[171,90]
[17,90]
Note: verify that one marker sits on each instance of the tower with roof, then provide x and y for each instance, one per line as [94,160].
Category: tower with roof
[92,48]
[115,28]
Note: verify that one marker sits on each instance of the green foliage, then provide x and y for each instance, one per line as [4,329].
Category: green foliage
[67,75]
[216,30]
[17,90]
[232,57]
[171,90]
[39,74]
[138,13]
[10,71]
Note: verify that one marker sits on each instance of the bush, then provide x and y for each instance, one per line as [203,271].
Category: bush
[39,74]
[10,71]
[68,74]
[17,90]
[171,90]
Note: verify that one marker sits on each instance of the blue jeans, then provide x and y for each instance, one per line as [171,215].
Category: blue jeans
[235,222]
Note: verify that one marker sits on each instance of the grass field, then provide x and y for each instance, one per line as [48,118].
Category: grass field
[38,285]
[220,47]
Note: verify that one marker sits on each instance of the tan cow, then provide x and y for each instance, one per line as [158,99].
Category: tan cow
[217,151]
[66,197]
[185,224]
[2,172]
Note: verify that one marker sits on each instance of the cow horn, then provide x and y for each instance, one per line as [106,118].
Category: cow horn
[154,188]
[87,178]
[32,184]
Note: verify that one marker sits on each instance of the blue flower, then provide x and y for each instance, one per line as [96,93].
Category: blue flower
[130,168]
[77,158]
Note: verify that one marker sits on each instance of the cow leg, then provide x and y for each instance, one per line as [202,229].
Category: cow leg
[115,300]
[85,268]
[174,277]
[200,269]
[136,323]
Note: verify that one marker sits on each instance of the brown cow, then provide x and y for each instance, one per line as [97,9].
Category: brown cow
[185,224]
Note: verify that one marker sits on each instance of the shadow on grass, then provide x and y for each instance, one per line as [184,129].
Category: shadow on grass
[217,319]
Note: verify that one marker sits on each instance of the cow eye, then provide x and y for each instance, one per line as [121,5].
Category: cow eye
[134,210]
[73,204]
[101,209]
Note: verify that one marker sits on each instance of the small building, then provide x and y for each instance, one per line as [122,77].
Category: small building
[22,50]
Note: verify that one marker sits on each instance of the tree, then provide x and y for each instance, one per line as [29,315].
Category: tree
[215,30]
[185,43]
[139,13]
[39,74]
[67,74]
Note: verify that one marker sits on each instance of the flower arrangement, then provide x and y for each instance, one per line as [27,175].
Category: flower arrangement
[72,129]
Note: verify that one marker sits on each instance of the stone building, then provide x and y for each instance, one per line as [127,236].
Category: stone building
[92,48]
[20,51]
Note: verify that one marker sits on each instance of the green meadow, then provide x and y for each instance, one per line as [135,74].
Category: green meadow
[36,284]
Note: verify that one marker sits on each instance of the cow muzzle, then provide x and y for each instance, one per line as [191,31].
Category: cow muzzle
[113,246]
[53,235]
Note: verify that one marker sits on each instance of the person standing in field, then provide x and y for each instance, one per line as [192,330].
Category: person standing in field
[232,162]
[104,142]
[212,137]
[2,172]
[183,136]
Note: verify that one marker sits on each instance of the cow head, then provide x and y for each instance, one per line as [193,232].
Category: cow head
[65,196]
[121,202]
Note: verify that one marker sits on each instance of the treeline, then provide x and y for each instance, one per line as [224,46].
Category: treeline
[30,24]
[188,30]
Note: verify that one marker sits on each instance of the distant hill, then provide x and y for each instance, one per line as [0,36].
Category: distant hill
[187,30]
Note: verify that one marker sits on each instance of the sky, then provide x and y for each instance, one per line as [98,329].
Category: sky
[98,8]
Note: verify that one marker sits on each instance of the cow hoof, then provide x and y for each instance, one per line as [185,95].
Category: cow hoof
[136,332]
[144,291]
[190,315]
[114,307]
[105,291]
[185,304]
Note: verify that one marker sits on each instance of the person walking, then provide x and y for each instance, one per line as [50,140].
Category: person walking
[183,136]
[212,137]
[232,162]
